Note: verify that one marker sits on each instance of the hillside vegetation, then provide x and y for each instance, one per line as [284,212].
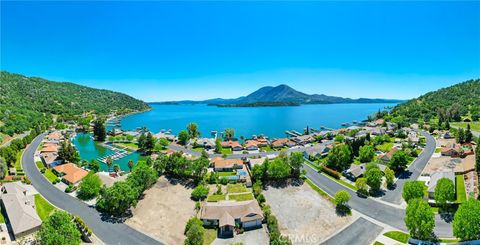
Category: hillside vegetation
[28,101]
[447,104]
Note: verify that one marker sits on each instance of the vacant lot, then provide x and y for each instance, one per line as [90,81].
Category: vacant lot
[303,213]
[164,211]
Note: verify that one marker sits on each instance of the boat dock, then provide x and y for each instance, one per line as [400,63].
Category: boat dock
[118,154]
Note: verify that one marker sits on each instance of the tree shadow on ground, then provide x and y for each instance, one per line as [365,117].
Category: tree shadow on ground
[446,215]
[379,193]
[187,183]
[404,174]
[343,210]
[115,219]
[283,183]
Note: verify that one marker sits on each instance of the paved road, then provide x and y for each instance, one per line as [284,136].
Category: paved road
[108,232]
[379,211]
[413,171]
[361,231]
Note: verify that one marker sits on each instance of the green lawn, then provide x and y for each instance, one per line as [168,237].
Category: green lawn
[438,150]
[209,236]
[378,243]
[236,188]
[241,197]
[449,240]
[320,191]
[43,207]
[130,145]
[216,198]
[198,149]
[475,126]
[267,148]
[385,147]
[397,236]
[2,219]
[225,174]
[18,163]
[227,151]
[348,185]
[50,175]
[460,189]
[40,165]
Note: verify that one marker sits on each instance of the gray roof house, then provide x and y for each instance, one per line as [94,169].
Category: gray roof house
[437,176]
[316,150]
[19,206]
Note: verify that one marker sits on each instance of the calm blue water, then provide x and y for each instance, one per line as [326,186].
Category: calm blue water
[89,150]
[271,121]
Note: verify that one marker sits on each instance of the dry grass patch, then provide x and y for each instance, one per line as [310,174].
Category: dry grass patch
[164,211]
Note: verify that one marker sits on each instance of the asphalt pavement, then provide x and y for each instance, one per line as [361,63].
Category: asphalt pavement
[361,231]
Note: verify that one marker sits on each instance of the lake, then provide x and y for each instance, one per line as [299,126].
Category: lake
[247,121]
[89,150]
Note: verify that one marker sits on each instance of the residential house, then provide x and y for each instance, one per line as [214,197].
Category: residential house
[316,151]
[50,159]
[207,143]
[227,214]
[71,174]
[386,157]
[452,150]
[234,145]
[356,171]
[19,207]
[49,147]
[55,137]
[279,143]
[304,139]
[251,145]
[165,135]
[434,177]
[225,165]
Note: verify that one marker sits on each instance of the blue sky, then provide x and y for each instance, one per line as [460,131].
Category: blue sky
[160,51]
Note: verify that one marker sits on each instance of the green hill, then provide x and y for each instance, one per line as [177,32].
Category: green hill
[26,102]
[446,104]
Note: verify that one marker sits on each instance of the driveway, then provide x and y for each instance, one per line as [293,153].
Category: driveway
[413,172]
[108,231]
[361,231]
[382,212]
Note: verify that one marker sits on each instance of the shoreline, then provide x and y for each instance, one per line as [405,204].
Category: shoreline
[125,115]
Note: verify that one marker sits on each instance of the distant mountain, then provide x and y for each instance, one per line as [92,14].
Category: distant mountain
[446,104]
[26,102]
[281,95]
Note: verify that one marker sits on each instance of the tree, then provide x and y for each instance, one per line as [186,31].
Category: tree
[374,179]
[89,187]
[59,228]
[3,168]
[296,162]
[399,161]
[116,168]
[142,177]
[195,234]
[109,163]
[366,153]
[412,190]
[141,141]
[258,171]
[389,176]
[477,154]
[68,153]
[339,158]
[444,192]
[278,169]
[94,166]
[116,200]
[460,136]
[149,143]
[99,132]
[361,184]
[218,146]
[341,198]
[229,133]
[468,134]
[130,164]
[466,222]
[199,168]
[420,219]
[200,192]
[183,137]
[192,129]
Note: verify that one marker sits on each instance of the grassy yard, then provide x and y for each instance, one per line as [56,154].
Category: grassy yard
[226,174]
[317,189]
[397,236]
[438,150]
[198,149]
[216,198]
[241,197]
[18,163]
[2,219]
[460,189]
[43,207]
[475,126]
[130,145]
[50,175]
[227,151]
[267,148]
[236,188]
[209,236]
[40,165]
[378,243]
[385,147]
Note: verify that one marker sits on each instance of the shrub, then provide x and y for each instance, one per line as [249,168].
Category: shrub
[90,187]
[261,198]
[331,172]
[200,192]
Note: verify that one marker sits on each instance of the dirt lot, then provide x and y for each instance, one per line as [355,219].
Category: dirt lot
[303,214]
[164,211]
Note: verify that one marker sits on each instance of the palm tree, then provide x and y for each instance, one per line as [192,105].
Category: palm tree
[116,168]
[130,164]
[109,162]
[229,133]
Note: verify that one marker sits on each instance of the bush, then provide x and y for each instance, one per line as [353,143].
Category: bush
[261,198]
[90,187]
[70,188]
[331,172]
[223,181]
[200,192]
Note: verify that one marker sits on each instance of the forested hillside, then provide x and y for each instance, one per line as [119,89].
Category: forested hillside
[446,104]
[27,101]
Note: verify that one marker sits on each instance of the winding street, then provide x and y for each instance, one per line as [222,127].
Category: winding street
[110,232]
